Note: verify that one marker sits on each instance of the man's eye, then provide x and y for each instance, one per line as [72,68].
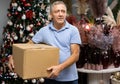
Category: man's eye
[56,11]
[63,11]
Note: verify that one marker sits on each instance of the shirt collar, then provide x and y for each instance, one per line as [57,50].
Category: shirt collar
[63,28]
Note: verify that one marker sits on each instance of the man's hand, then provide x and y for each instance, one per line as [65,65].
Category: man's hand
[30,42]
[11,63]
[54,71]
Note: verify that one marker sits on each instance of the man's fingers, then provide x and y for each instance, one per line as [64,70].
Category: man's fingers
[11,67]
[49,69]
[51,75]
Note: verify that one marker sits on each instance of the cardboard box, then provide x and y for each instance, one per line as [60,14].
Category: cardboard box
[32,60]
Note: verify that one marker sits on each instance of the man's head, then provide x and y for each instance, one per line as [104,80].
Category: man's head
[58,11]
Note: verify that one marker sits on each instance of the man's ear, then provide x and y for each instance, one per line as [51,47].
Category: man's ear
[50,17]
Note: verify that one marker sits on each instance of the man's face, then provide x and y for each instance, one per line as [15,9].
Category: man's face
[58,13]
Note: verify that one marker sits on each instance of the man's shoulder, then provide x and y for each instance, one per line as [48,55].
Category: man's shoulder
[45,27]
[72,27]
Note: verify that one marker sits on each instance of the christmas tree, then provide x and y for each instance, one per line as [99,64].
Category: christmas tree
[26,17]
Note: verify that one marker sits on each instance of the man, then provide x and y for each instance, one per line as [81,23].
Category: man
[66,37]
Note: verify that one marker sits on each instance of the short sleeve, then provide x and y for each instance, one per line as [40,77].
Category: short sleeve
[75,36]
[37,38]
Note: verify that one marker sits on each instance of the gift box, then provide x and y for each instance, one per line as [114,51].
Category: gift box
[32,60]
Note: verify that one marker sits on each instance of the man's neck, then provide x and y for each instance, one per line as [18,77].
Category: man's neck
[59,26]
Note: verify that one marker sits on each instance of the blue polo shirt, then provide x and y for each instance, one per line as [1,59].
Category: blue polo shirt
[62,39]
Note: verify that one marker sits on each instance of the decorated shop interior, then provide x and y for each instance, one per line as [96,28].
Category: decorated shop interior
[98,22]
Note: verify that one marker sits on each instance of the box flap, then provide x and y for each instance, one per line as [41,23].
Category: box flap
[34,46]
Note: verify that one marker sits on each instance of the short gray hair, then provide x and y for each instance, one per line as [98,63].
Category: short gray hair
[57,3]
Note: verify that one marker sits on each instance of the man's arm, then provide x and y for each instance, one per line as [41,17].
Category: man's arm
[55,70]
[75,50]
[11,63]
[11,60]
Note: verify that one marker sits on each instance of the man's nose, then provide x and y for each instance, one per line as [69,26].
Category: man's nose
[60,13]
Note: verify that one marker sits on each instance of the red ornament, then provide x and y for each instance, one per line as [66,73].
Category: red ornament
[24,2]
[16,13]
[27,4]
[29,14]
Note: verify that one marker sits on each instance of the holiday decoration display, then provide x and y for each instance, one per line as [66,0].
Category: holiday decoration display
[98,26]
[100,37]
[26,17]
[115,25]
